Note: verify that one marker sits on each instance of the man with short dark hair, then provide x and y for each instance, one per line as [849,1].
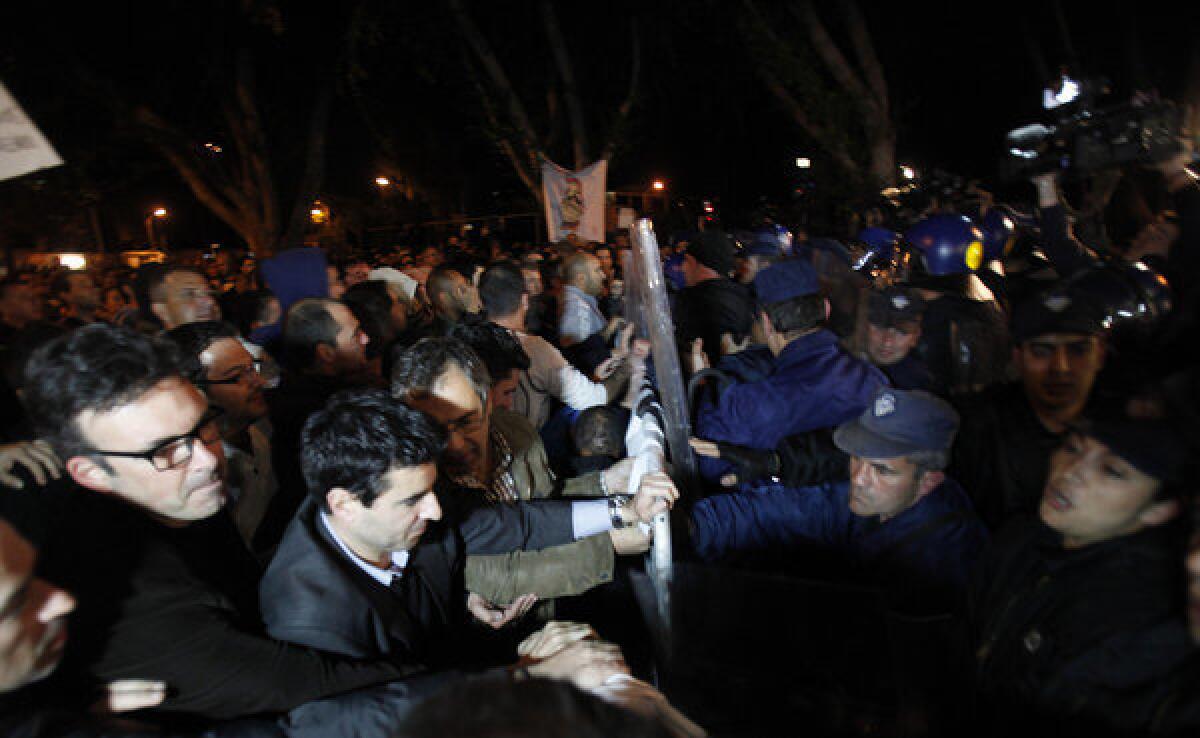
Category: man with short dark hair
[549,375]
[19,307]
[214,360]
[157,600]
[898,516]
[893,332]
[79,296]
[373,532]
[453,297]
[324,350]
[813,384]
[1077,615]
[1009,431]
[181,294]
[712,307]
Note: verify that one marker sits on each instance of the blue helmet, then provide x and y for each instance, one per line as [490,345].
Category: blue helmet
[673,271]
[880,247]
[770,240]
[948,244]
[999,232]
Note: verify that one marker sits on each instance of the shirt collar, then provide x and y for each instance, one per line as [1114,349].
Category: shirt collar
[589,299]
[504,486]
[383,576]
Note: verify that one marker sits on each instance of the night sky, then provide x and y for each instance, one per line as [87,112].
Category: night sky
[958,78]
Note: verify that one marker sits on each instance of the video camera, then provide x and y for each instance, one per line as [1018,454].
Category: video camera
[1087,138]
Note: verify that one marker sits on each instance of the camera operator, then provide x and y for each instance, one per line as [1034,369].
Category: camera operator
[1169,244]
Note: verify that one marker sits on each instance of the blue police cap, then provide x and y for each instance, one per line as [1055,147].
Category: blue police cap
[899,423]
[785,280]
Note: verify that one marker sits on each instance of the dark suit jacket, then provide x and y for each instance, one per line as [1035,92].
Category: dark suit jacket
[313,595]
[155,603]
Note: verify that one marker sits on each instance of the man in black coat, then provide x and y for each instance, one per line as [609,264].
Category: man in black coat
[369,569]
[712,305]
[164,593]
[1077,614]
[1009,431]
[324,350]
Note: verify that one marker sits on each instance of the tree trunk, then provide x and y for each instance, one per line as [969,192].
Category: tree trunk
[314,168]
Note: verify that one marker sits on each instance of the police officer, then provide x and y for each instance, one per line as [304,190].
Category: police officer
[1077,613]
[814,383]
[898,515]
[1010,430]
[893,331]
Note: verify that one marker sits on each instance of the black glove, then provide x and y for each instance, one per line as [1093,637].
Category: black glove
[752,464]
[811,458]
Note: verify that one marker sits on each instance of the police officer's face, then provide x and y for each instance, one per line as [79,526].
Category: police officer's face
[1094,495]
[888,345]
[1058,369]
[884,487]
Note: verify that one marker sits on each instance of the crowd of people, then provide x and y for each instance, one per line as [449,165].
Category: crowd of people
[380,496]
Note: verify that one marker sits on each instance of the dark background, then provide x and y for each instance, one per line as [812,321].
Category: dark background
[959,78]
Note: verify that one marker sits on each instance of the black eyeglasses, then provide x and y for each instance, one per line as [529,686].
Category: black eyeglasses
[240,374]
[176,451]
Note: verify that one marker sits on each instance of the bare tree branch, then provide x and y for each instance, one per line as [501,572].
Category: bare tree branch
[834,60]
[491,65]
[635,73]
[562,60]
[314,168]
[864,49]
[820,134]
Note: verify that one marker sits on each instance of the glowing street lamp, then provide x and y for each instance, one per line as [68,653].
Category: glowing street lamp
[658,185]
[158,212]
[803,162]
[319,213]
[383,181]
[908,172]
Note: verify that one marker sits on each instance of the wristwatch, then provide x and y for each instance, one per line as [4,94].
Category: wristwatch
[615,504]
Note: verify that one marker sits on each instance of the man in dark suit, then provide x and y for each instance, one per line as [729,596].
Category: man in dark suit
[164,593]
[369,569]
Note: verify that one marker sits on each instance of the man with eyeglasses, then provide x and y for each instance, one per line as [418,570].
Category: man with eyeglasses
[157,600]
[215,360]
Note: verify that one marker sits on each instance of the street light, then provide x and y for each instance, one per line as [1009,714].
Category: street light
[803,162]
[383,181]
[658,184]
[156,213]
[319,212]
[908,172]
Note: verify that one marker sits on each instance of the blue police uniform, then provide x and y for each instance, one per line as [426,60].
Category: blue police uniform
[936,542]
[927,548]
[813,384]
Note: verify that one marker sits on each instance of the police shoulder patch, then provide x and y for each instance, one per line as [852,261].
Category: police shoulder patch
[885,405]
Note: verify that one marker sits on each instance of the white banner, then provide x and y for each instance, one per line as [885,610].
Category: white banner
[23,148]
[574,200]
